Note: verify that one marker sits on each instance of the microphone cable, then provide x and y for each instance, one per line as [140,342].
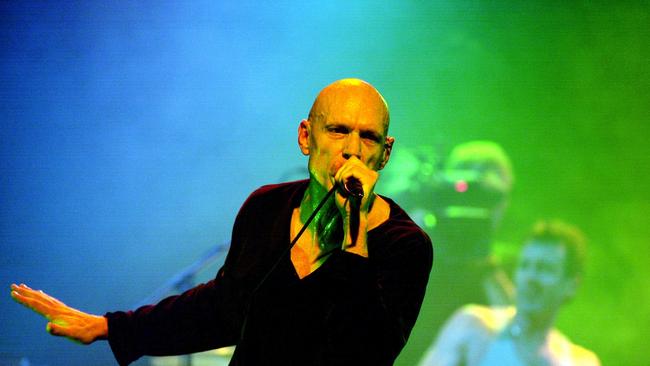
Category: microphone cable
[295,240]
[287,250]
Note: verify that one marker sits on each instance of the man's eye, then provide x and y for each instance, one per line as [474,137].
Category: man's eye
[339,130]
[370,137]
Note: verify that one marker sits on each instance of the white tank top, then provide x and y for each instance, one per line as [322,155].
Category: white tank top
[501,352]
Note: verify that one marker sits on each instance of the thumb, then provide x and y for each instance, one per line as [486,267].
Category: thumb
[54,329]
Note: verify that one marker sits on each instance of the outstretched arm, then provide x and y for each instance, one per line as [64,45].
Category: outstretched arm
[63,320]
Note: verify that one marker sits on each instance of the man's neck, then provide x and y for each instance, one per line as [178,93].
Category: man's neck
[532,328]
[326,226]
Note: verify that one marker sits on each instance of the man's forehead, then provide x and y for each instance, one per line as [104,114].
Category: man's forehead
[351,100]
[354,111]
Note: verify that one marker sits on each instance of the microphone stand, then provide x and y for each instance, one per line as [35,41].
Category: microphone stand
[184,280]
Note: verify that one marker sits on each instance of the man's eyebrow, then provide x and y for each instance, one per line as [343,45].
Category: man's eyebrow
[370,132]
[363,132]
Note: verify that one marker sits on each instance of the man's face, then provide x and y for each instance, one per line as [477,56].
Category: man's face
[541,280]
[349,124]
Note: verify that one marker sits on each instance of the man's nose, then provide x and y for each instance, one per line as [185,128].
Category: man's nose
[352,146]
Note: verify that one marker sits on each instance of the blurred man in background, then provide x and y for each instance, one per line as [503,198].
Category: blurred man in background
[547,275]
[460,201]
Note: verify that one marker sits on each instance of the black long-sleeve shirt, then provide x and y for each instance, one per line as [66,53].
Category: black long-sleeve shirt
[350,311]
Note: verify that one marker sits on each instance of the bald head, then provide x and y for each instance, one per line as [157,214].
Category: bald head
[352,97]
[349,118]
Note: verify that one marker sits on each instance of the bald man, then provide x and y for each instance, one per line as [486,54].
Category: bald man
[347,293]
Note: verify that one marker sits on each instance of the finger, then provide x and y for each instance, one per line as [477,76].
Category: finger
[73,333]
[26,291]
[21,298]
[30,303]
[17,297]
[346,171]
[360,172]
[28,297]
[23,286]
[38,295]
[353,167]
[34,304]
[356,163]
[56,329]
[19,288]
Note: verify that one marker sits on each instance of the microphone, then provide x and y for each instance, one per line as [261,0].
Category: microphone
[353,187]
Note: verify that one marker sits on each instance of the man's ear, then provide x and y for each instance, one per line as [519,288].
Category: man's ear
[304,132]
[388,148]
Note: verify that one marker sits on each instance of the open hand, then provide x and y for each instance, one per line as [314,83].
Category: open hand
[63,320]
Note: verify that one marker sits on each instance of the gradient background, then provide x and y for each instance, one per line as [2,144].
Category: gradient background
[131,132]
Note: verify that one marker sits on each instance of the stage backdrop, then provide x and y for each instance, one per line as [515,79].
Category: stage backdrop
[131,132]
